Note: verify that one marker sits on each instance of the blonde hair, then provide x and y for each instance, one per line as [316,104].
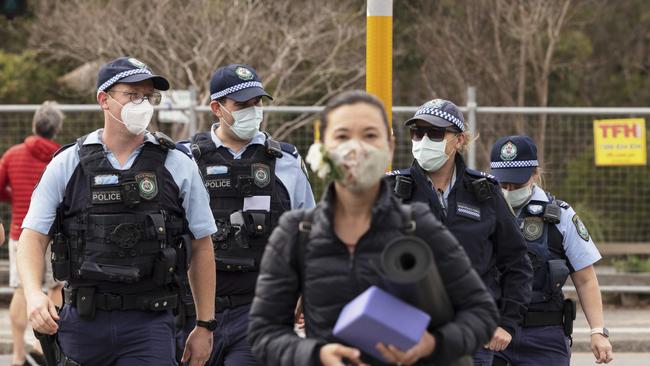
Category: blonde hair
[467,140]
[538,176]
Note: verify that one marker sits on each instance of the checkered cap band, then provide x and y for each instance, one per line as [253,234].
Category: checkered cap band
[236,88]
[513,164]
[108,83]
[442,114]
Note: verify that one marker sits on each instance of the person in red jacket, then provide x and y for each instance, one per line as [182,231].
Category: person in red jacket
[20,170]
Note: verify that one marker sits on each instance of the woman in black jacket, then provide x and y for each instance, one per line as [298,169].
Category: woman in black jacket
[357,216]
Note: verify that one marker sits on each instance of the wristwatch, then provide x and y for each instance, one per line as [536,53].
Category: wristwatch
[603,331]
[210,325]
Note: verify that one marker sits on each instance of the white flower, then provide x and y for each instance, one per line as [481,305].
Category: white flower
[316,160]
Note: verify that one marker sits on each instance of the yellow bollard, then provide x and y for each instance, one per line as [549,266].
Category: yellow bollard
[379,53]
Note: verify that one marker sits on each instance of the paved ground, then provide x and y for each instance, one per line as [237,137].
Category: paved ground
[630,334]
[579,359]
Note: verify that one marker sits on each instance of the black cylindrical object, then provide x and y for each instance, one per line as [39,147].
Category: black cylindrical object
[410,273]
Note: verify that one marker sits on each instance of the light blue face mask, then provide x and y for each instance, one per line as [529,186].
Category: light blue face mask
[430,154]
[518,197]
[247,121]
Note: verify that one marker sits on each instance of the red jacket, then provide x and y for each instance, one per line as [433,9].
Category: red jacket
[21,168]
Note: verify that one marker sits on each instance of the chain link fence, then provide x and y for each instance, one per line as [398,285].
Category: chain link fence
[614,202]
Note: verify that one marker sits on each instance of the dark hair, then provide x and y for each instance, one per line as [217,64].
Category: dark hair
[47,120]
[348,98]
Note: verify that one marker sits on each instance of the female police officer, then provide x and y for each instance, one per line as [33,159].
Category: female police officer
[558,244]
[472,207]
[356,217]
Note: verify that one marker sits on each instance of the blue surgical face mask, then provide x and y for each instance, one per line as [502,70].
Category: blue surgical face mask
[247,121]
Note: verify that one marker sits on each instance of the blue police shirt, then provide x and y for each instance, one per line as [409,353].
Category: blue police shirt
[580,252]
[48,194]
[288,169]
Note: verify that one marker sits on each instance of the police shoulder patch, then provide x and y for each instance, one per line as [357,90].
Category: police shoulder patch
[580,227]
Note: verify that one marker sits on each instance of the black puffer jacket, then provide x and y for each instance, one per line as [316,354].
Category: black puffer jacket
[333,277]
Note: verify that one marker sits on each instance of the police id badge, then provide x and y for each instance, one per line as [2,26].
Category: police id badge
[533,228]
[147,185]
[469,211]
[580,227]
[261,174]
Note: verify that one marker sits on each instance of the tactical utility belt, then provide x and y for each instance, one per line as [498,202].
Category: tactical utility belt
[565,317]
[87,301]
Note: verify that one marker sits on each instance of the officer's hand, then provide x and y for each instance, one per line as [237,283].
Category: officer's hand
[601,348]
[42,313]
[500,340]
[424,348]
[198,347]
[332,354]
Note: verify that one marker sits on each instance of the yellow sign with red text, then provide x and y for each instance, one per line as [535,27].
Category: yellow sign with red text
[620,142]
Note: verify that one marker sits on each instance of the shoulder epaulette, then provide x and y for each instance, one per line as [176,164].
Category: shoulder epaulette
[562,204]
[166,142]
[405,171]
[480,174]
[180,146]
[290,149]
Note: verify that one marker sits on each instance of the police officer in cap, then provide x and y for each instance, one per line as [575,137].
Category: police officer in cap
[123,208]
[472,206]
[252,179]
[558,245]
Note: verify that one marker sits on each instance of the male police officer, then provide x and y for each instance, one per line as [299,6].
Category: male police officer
[123,207]
[252,179]
[471,205]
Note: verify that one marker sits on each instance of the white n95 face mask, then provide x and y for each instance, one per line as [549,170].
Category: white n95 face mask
[430,154]
[247,121]
[135,117]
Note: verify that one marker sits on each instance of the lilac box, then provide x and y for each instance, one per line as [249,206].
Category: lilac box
[377,316]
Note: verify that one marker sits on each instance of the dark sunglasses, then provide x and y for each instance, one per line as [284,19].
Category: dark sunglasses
[434,133]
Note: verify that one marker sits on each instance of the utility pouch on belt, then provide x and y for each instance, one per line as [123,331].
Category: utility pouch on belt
[569,316]
[558,272]
[108,272]
[85,303]
[163,271]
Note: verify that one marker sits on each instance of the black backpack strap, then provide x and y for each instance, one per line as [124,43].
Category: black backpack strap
[304,231]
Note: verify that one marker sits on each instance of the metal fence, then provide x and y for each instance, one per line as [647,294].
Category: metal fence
[614,202]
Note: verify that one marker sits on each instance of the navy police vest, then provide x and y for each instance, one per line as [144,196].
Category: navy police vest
[119,231]
[246,199]
[537,220]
